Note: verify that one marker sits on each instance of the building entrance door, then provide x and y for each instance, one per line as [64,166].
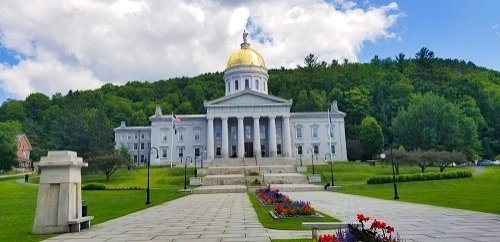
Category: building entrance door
[249,149]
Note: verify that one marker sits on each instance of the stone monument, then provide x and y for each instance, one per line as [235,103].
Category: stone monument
[59,204]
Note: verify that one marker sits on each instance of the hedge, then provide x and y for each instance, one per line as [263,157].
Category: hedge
[94,186]
[420,177]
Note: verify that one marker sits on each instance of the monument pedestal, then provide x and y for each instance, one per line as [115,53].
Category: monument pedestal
[59,195]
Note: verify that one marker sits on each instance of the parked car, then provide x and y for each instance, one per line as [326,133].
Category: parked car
[485,162]
[496,163]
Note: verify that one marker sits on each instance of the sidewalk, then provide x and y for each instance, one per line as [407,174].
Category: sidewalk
[230,217]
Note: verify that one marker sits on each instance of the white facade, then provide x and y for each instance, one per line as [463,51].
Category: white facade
[227,130]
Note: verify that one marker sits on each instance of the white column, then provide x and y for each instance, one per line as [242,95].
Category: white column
[241,138]
[256,137]
[225,143]
[287,142]
[210,139]
[272,136]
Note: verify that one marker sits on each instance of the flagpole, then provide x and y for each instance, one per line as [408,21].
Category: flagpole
[330,133]
[172,148]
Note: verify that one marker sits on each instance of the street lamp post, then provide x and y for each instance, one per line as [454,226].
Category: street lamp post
[185,170]
[396,197]
[148,190]
[331,165]
[312,158]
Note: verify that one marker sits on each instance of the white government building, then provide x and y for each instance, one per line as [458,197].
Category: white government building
[246,122]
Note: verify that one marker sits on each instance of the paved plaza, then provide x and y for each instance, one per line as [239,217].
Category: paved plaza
[230,217]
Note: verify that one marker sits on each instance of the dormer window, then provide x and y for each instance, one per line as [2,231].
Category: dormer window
[236,86]
[247,83]
[257,84]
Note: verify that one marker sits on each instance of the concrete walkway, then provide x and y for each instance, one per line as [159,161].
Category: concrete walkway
[197,217]
[413,222]
[230,217]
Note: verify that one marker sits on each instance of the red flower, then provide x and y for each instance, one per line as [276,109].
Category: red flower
[382,225]
[390,229]
[327,238]
[360,217]
[375,224]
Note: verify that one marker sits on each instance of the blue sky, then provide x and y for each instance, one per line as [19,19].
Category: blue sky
[459,29]
[451,28]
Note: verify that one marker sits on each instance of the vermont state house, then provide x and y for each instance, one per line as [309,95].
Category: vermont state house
[246,122]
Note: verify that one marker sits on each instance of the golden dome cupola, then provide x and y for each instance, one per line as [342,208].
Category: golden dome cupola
[246,69]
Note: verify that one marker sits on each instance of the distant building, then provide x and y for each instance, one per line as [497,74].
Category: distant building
[23,151]
[246,122]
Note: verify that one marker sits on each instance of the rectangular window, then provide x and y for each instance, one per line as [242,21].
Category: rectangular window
[197,152]
[135,158]
[248,132]
[263,150]
[315,132]
[316,149]
[247,83]
[196,135]
[257,84]
[278,131]
[262,132]
[181,152]
[149,146]
[142,146]
[332,148]
[164,134]
[228,87]
[164,152]
[180,137]
[135,146]
[142,136]
[217,151]
[233,132]
[236,86]
[278,148]
[142,158]
[298,133]
[299,150]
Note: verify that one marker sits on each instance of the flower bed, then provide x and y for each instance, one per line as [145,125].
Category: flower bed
[268,196]
[294,209]
[378,232]
[284,207]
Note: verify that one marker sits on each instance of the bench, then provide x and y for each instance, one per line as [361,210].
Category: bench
[76,224]
[314,226]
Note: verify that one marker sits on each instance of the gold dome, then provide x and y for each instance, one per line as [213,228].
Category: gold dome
[245,56]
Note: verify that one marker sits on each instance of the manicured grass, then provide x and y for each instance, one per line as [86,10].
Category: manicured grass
[292,240]
[478,193]
[286,224]
[18,201]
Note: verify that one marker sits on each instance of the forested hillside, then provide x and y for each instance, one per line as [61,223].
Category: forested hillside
[465,102]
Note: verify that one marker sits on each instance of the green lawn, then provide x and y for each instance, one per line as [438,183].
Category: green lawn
[479,193]
[18,201]
[286,224]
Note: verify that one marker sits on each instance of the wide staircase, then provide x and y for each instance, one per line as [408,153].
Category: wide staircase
[238,176]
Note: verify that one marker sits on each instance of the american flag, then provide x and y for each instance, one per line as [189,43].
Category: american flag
[175,122]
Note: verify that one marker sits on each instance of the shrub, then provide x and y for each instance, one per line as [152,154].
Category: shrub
[94,186]
[420,177]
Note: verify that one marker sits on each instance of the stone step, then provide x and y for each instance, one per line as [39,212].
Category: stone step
[232,179]
[251,169]
[218,162]
[285,178]
[297,187]
[220,189]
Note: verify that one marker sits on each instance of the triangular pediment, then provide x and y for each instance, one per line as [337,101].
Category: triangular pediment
[248,97]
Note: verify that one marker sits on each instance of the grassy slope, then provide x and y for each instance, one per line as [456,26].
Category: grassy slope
[18,201]
[479,193]
[287,224]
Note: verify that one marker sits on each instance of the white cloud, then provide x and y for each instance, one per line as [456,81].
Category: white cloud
[84,44]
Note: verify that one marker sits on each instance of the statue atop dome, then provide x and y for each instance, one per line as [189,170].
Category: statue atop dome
[245,35]
[245,44]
